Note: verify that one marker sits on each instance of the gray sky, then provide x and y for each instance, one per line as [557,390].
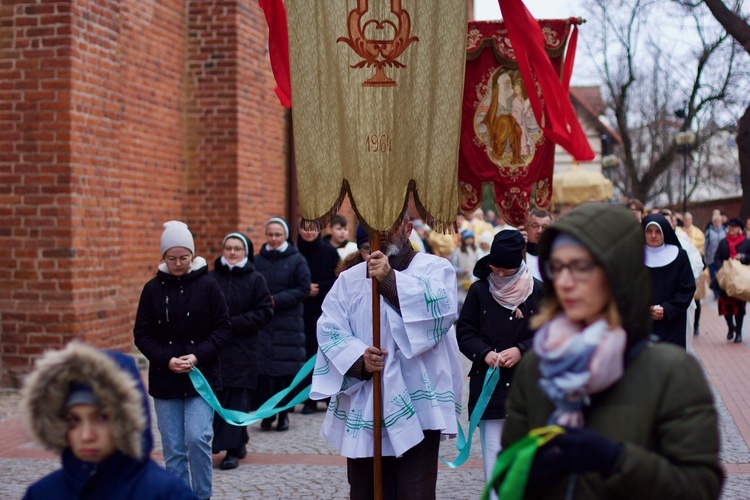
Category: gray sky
[541,9]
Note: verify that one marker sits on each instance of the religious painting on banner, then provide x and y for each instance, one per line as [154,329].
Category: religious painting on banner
[501,141]
[376,101]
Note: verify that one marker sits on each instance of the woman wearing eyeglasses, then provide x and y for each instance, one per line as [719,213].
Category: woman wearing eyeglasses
[493,330]
[282,342]
[182,322]
[249,302]
[639,418]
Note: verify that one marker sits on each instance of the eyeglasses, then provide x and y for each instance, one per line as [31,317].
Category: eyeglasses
[365,248]
[184,259]
[234,249]
[580,270]
[503,271]
[537,227]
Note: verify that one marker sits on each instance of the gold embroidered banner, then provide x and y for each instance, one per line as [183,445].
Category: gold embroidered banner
[376,97]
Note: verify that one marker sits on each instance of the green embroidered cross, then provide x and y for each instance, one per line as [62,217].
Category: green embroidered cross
[337,338]
[326,368]
[435,303]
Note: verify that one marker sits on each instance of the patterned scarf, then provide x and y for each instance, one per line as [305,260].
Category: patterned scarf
[512,291]
[576,363]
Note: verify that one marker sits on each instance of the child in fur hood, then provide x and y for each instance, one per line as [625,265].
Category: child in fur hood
[91,407]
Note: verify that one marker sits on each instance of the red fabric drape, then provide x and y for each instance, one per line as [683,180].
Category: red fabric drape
[556,113]
[278,48]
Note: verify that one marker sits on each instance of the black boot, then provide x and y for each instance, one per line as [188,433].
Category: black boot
[697,322]
[230,462]
[283,424]
[738,337]
[730,323]
[310,407]
[265,424]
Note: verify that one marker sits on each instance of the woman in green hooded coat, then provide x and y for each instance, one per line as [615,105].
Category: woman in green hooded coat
[639,417]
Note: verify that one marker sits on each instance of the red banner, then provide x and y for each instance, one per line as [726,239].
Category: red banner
[501,139]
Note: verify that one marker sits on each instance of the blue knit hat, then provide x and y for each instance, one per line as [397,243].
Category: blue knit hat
[362,236]
[466,233]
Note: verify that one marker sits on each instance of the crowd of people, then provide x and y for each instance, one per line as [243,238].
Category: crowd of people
[578,314]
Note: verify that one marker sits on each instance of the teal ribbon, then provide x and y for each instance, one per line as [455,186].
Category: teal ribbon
[267,409]
[463,443]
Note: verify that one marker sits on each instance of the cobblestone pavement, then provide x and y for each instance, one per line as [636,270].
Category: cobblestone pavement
[298,464]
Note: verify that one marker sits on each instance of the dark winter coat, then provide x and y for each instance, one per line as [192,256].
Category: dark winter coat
[722,254]
[322,259]
[126,474]
[661,409]
[178,316]
[673,288]
[250,309]
[483,326]
[282,342]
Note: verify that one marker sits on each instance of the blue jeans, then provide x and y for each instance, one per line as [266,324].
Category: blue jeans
[186,428]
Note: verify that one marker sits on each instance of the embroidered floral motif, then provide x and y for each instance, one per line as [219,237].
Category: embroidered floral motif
[376,52]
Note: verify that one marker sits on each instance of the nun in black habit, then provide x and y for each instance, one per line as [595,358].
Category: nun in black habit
[672,281]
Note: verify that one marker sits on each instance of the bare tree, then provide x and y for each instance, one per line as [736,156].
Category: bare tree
[647,77]
[738,28]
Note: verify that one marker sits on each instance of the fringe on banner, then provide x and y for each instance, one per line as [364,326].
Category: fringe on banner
[440,226]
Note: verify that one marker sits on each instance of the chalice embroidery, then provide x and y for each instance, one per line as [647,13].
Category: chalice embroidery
[376,52]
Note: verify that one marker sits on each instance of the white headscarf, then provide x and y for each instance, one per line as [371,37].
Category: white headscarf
[662,255]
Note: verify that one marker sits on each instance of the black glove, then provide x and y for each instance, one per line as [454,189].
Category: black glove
[577,450]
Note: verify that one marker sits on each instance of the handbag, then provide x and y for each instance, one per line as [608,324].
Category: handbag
[734,279]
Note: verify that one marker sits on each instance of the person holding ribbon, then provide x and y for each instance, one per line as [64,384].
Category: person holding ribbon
[637,418]
[183,322]
[249,302]
[282,342]
[493,330]
[418,358]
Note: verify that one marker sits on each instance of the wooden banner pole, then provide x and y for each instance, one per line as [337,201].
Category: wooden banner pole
[377,389]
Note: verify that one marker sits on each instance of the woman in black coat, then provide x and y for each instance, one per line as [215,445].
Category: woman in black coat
[183,322]
[282,342]
[734,246]
[672,280]
[493,330]
[250,309]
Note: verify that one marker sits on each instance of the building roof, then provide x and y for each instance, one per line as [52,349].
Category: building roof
[590,101]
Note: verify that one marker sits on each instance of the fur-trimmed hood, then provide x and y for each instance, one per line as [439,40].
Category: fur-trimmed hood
[197,264]
[111,375]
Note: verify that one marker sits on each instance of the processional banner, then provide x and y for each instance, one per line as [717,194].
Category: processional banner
[501,140]
[376,99]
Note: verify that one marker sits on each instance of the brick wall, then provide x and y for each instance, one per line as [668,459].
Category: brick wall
[116,116]
[702,210]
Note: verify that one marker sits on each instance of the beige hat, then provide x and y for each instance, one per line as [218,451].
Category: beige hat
[176,234]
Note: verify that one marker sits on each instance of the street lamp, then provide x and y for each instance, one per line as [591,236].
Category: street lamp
[608,163]
[684,139]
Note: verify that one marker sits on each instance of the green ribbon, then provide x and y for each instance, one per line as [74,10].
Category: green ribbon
[514,463]
[267,409]
[463,443]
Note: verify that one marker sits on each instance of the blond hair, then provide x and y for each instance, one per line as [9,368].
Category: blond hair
[551,307]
